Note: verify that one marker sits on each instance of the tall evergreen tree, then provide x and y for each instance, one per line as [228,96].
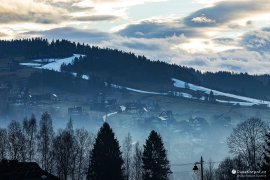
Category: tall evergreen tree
[266,156]
[155,163]
[106,160]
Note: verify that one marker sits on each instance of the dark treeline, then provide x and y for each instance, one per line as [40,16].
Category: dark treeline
[115,64]
[36,48]
[64,81]
[77,154]
[118,65]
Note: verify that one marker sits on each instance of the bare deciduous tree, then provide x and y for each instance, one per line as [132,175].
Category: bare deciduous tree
[224,170]
[16,141]
[247,140]
[127,153]
[84,142]
[30,130]
[63,146]
[3,143]
[137,163]
[209,171]
[45,138]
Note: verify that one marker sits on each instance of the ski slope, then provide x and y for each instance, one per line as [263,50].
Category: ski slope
[137,90]
[247,100]
[30,64]
[55,64]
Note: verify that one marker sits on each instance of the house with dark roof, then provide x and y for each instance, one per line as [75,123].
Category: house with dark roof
[14,170]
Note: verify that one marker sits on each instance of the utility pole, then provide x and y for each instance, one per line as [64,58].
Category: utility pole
[201,167]
[195,168]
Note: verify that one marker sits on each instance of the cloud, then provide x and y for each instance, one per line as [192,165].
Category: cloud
[29,11]
[170,49]
[3,34]
[154,29]
[121,2]
[257,40]
[73,34]
[226,41]
[202,19]
[226,11]
[68,5]
[32,17]
[239,60]
[50,12]
[96,18]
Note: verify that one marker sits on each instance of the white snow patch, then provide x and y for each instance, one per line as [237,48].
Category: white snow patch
[123,108]
[236,102]
[181,94]
[44,60]
[145,109]
[162,118]
[86,77]
[30,64]
[137,90]
[248,101]
[56,63]
[74,74]
[108,115]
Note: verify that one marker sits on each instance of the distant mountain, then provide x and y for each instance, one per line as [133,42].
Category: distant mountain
[126,69]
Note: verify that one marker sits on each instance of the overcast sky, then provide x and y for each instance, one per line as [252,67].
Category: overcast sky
[210,35]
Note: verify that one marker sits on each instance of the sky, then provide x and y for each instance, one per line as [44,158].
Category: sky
[208,35]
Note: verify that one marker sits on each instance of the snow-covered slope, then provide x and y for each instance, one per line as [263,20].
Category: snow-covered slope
[137,90]
[236,100]
[30,64]
[244,101]
[55,64]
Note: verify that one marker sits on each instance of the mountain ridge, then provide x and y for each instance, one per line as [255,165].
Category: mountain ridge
[133,71]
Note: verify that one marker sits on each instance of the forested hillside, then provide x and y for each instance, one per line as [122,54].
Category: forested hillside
[125,67]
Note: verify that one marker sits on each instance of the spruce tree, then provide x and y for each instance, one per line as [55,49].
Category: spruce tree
[106,160]
[155,163]
[266,156]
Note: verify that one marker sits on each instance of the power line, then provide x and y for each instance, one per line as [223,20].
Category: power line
[182,164]
[194,163]
[182,171]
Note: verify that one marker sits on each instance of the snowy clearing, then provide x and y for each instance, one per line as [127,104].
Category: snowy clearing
[236,103]
[86,77]
[137,90]
[248,101]
[55,64]
[44,60]
[108,115]
[30,64]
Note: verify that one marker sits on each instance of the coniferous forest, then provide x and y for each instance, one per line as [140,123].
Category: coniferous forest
[77,153]
[115,65]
